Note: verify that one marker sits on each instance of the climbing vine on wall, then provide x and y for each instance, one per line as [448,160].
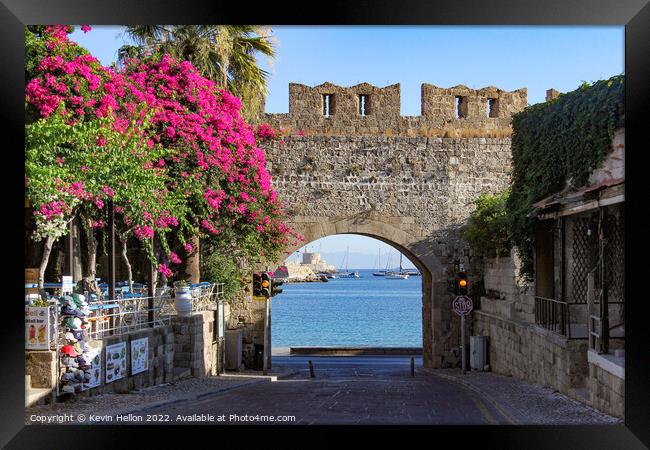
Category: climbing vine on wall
[487,230]
[558,144]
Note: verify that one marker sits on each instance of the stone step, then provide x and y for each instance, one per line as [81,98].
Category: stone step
[37,396]
[182,372]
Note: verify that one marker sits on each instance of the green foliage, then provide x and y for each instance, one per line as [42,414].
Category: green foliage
[226,54]
[219,268]
[487,230]
[559,143]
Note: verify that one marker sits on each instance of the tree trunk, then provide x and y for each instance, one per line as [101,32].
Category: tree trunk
[47,249]
[129,272]
[89,282]
[193,265]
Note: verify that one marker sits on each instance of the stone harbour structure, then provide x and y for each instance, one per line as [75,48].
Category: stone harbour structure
[354,165]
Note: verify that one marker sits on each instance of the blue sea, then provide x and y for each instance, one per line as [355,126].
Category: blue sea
[366,311]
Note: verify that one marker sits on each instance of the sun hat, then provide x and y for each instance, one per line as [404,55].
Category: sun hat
[73,323]
[80,300]
[69,350]
[68,311]
[81,361]
[69,389]
[87,350]
[79,335]
[77,348]
[70,337]
[70,363]
[74,376]
[66,301]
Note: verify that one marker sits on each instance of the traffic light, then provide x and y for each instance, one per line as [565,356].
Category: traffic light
[257,285]
[463,283]
[275,287]
[266,285]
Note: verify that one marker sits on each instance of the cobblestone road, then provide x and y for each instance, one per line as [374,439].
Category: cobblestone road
[380,390]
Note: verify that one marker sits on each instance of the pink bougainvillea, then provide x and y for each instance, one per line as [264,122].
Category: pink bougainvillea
[210,169]
[162,268]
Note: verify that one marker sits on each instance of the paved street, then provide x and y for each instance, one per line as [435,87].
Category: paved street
[380,390]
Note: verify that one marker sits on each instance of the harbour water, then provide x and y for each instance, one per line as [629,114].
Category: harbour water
[367,312]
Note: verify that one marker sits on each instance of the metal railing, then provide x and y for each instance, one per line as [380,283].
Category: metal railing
[124,315]
[206,297]
[113,317]
[553,315]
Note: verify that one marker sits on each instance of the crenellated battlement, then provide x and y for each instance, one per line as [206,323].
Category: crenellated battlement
[365,109]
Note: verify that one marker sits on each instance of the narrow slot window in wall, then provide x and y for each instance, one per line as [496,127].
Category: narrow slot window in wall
[461,107]
[363,105]
[328,105]
[493,107]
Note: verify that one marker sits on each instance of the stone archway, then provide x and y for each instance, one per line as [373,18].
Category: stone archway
[408,181]
[434,350]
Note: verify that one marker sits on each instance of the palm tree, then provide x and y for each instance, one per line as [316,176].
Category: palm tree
[223,53]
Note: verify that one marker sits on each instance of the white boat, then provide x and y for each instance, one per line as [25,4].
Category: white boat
[397,275]
[413,272]
[379,273]
[346,273]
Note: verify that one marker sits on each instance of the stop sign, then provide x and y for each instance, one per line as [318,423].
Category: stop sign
[462,305]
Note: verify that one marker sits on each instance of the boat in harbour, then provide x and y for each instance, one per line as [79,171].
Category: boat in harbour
[346,274]
[379,272]
[412,272]
[397,275]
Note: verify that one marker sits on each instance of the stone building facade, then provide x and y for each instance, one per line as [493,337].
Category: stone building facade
[542,331]
[372,172]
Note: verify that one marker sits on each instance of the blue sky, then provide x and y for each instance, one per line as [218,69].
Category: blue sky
[535,57]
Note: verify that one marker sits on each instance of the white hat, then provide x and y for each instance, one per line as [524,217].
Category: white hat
[70,337]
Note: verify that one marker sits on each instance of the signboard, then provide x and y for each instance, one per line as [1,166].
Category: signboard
[38,329]
[95,361]
[115,362]
[139,355]
[462,305]
[67,285]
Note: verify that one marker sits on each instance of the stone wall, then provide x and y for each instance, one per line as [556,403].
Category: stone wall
[246,314]
[484,110]
[188,342]
[196,343]
[161,367]
[526,351]
[607,384]
[505,293]
[41,366]
[396,178]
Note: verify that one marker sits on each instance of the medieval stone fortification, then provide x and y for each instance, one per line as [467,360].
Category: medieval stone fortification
[369,110]
[370,171]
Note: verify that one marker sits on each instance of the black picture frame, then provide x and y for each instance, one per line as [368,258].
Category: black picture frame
[633,14]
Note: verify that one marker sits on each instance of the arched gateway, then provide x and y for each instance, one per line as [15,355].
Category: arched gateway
[353,164]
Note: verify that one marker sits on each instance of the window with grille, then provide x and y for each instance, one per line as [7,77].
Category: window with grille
[584,256]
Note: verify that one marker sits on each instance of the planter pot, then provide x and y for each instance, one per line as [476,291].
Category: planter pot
[183,301]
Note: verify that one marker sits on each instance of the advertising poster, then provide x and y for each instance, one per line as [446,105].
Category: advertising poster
[95,369]
[139,355]
[115,362]
[37,328]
